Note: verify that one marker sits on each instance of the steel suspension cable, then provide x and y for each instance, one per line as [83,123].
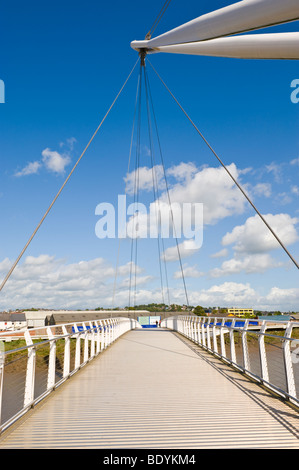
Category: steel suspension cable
[136,190]
[129,163]
[227,170]
[65,182]
[158,19]
[168,197]
[137,174]
[155,184]
[154,164]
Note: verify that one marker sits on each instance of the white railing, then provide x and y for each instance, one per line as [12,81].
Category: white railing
[36,361]
[253,347]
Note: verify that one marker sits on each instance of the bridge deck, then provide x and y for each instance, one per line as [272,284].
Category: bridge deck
[152,389]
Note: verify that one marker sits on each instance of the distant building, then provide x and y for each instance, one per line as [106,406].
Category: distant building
[12,321]
[36,318]
[58,317]
[240,312]
[42,318]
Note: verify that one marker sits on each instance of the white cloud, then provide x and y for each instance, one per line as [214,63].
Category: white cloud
[30,169]
[295,190]
[69,143]
[47,282]
[262,189]
[183,171]
[283,198]
[249,264]
[52,161]
[286,299]
[55,161]
[254,237]
[140,281]
[228,294]
[143,177]
[5,265]
[220,254]
[184,249]
[252,243]
[233,294]
[295,161]
[189,271]
[212,187]
[276,170]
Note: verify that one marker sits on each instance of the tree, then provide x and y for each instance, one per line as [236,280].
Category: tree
[200,311]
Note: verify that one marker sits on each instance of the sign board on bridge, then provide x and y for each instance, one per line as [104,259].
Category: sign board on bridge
[149,322]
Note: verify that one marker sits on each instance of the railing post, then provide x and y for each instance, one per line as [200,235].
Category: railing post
[199,331]
[188,328]
[2,362]
[105,333]
[215,346]
[78,347]
[120,327]
[102,334]
[196,320]
[92,341]
[195,330]
[232,341]
[245,346]
[182,326]
[291,388]
[116,323]
[203,333]
[262,351]
[97,338]
[222,341]
[208,334]
[113,330]
[52,359]
[185,326]
[30,371]
[85,356]
[67,353]
[191,329]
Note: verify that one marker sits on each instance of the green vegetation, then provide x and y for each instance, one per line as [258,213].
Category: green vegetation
[275,337]
[14,360]
[200,311]
[158,307]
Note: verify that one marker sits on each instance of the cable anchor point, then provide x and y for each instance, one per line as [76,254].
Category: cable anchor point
[142,55]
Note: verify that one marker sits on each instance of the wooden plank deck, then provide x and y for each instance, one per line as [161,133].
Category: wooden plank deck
[153,389]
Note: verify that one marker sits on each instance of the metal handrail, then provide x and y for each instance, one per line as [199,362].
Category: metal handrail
[96,336]
[206,331]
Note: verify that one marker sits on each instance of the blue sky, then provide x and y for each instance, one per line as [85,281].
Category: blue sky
[62,64]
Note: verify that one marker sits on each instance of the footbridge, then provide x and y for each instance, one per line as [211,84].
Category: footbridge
[193,383]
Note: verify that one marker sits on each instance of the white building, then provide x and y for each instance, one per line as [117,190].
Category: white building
[41,318]
[12,321]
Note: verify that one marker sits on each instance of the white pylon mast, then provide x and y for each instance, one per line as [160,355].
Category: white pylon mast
[210,34]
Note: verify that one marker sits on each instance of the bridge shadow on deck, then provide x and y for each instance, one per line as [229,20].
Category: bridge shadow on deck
[160,330]
[145,392]
[287,416]
[255,391]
